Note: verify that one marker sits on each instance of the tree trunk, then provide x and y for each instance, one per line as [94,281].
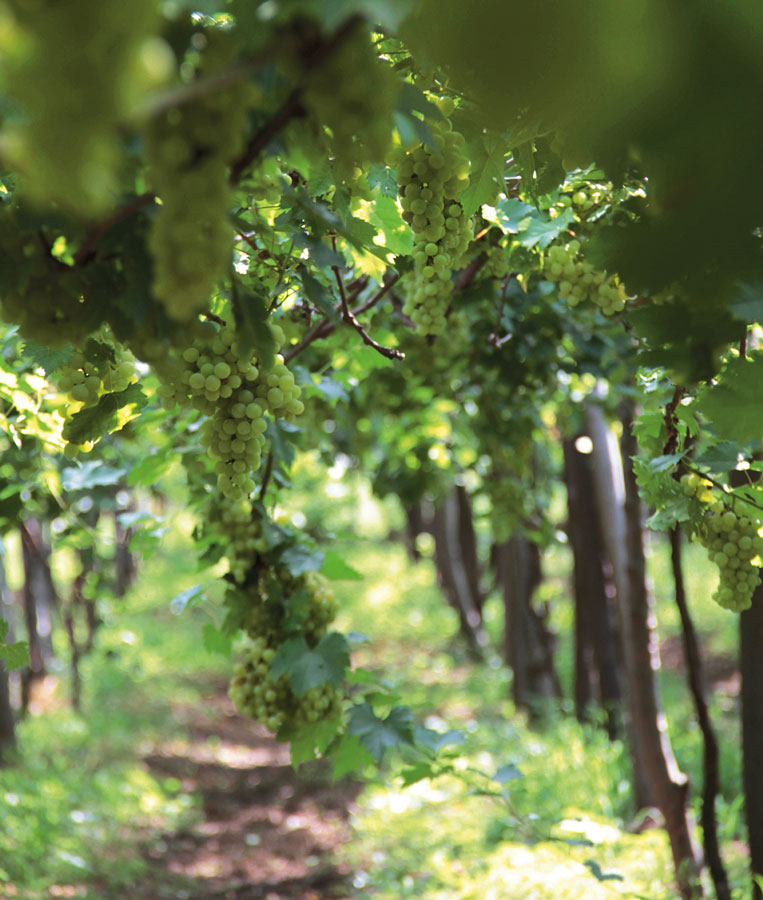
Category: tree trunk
[751,664]
[597,666]
[467,540]
[33,582]
[710,756]
[528,644]
[670,785]
[124,560]
[7,724]
[610,499]
[452,574]
[414,526]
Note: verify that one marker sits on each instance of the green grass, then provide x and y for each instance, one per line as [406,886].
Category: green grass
[78,797]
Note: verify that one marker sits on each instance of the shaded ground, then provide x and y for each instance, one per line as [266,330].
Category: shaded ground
[266,832]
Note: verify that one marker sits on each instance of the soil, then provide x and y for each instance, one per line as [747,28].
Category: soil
[265,831]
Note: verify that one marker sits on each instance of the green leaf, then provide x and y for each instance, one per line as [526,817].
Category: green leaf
[486,179]
[250,309]
[418,772]
[312,740]
[13,656]
[216,641]
[44,358]
[435,740]
[734,406]
[747,306]
[306,668]
[89,474]
[190,597]
[318,294]
[91,423]
[335,568]
[350,755]
[149,470]
[379,735]
[542,231]
[506,773]
[299,559]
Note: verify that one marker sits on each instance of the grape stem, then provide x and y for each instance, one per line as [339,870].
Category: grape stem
[721,487]
[670,421]
[326,327]
[351,319]
[496,341]
[266,475]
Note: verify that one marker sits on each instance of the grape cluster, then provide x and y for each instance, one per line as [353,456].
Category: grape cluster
[497,262]
[71,68]
[280,607]
[189,148]
[579,280]
[354,94]
[734,543]
[99,369]
[272,701]
[235,393]
[431,181]
[243,535]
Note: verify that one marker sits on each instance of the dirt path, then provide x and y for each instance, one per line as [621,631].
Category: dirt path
[266,832]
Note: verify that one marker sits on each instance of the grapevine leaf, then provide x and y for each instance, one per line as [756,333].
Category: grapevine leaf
[748,305]
[599,874]
[379,735]
[386,216]
[299,559]
[216,641]
[382,178]
[190,597]
[418,772]
[542,231]
[318,294]
[3,630]
[93,422]
[306,668]
[250,309]
[14,656]
[436,740]
[335,568]
[89,474]
[311,740]
[513,214]
[45,358]
[350,755]
[506,773]
[487,176]
[733,406]
[148,470]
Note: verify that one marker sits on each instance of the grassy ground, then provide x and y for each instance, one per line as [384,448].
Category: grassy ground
[83,810]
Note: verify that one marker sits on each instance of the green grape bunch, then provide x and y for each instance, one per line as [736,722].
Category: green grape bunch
[272,702]
[96,370]
[431,180]
[242,533]
[353,95]
[189,148]
[579,280]
[236,393]
[282,606]
[734,543]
